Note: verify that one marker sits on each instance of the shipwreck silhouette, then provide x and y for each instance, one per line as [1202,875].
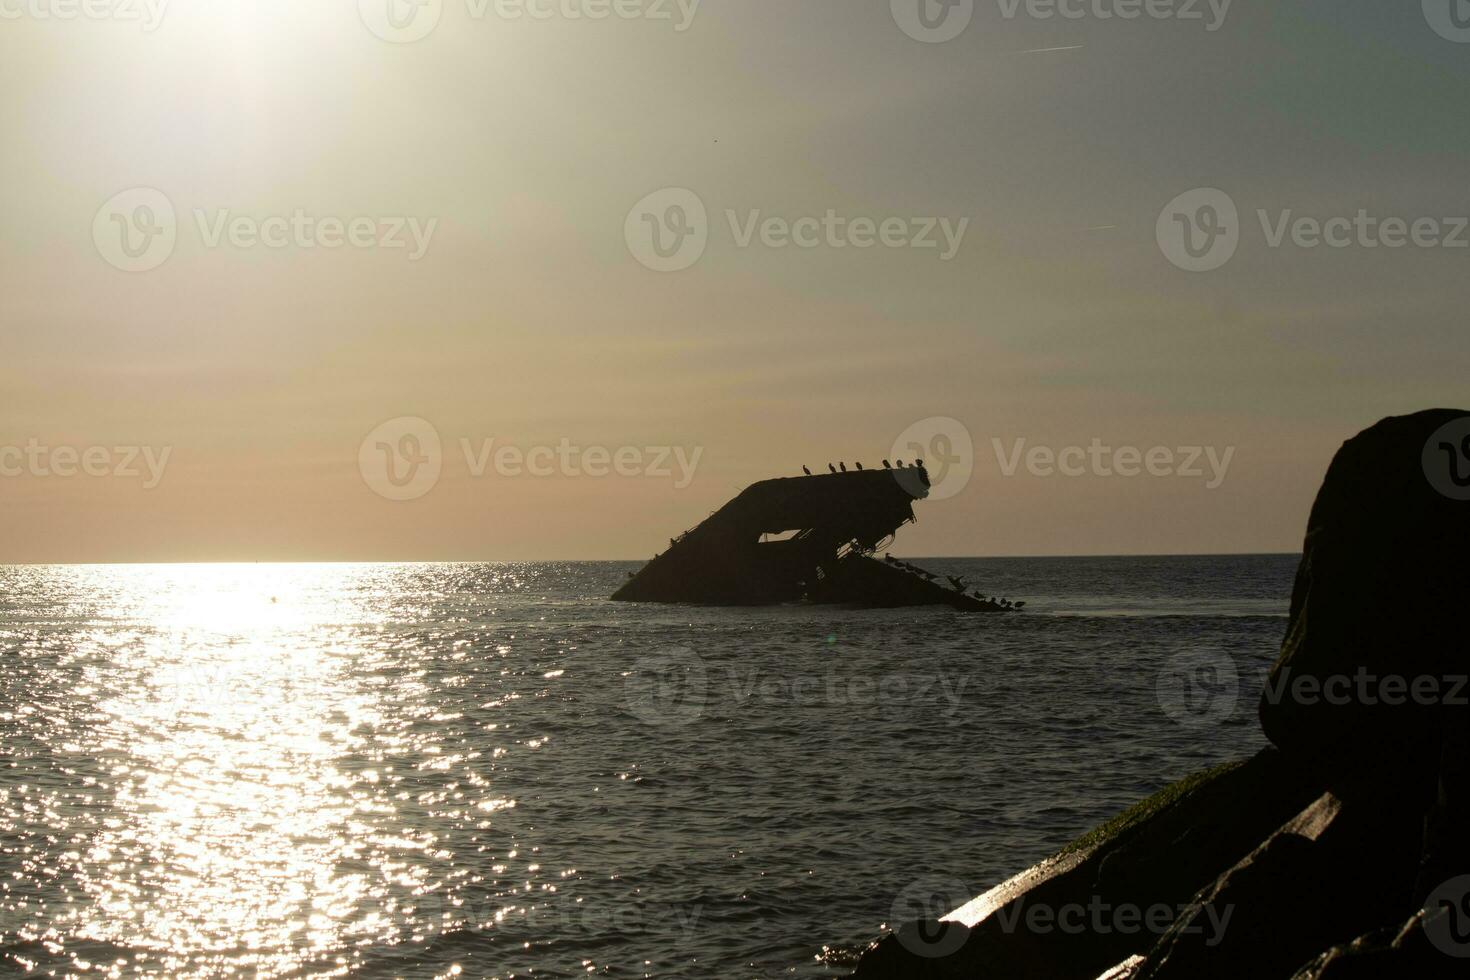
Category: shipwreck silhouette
[806,538]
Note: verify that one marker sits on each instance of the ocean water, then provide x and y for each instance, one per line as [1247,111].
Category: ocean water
[491,771]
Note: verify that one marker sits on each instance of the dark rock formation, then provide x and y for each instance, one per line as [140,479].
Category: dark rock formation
[1336,855]
[1383,569]
[1300,875]
[1388,954]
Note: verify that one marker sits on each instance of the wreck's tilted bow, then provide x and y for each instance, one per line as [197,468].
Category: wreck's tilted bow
[802,538]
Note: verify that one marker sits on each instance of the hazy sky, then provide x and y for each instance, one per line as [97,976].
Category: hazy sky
[520,147]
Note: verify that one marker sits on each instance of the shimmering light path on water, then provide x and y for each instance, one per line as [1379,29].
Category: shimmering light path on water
[413,770]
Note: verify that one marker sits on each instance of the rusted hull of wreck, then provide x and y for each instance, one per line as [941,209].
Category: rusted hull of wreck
[808,538]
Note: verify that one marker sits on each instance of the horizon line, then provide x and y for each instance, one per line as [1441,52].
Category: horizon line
[591,561]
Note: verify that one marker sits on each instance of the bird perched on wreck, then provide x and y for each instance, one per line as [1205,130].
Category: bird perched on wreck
[900,464]
[842,467]
[806,471]
[831,467]
[859,466]
[887,465]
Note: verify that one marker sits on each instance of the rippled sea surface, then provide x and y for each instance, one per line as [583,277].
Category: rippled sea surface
[492,771]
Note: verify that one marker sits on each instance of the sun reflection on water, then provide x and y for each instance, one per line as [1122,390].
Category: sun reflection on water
[243,814]
[257,823]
